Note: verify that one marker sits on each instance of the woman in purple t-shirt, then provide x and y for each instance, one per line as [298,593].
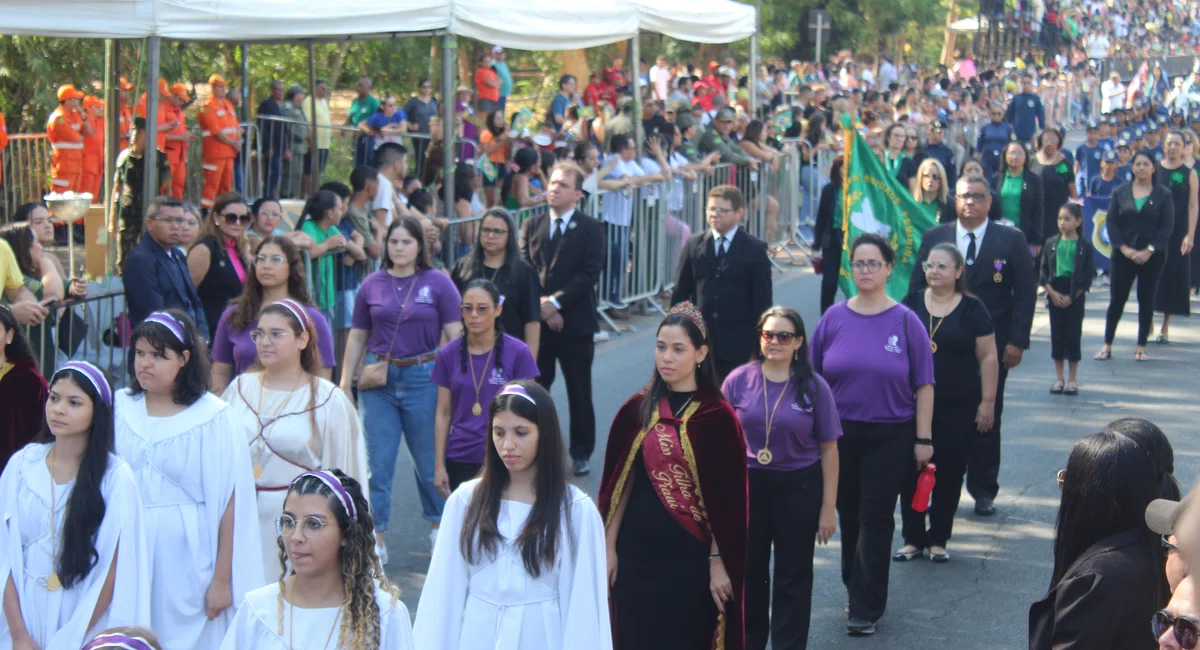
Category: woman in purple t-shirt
[875,355]
[278,273]
[469,372]
[401,313]
[791,425]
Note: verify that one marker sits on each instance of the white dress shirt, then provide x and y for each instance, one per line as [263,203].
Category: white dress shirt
[728,239]
[963,241]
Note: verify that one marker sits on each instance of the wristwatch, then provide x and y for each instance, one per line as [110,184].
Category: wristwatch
[1150,248]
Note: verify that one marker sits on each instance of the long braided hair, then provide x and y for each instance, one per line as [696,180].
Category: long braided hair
[361,626]
[464,355]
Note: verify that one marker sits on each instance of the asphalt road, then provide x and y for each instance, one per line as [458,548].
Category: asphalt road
[999,564]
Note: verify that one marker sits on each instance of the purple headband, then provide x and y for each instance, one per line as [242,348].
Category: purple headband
[93,374]
[168,321]
[512,389]
[335,485]
[297,311]
[118,641]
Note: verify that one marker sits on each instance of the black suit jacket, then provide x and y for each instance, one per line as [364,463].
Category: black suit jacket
[1009,301]
[151,285]
[731,297]
[1033,205]
[1105,599]
[570,272]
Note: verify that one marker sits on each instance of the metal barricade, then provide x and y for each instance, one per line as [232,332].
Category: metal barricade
[25,164]
[94,329]
[634,251]
[332,285]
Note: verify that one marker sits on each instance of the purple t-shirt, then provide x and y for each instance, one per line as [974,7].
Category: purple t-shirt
[796,430]
[431,303]
[468,432]
[236,348]
[874,364]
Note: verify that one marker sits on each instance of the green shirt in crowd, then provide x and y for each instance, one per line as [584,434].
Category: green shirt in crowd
[1064,259]
[324,291]
[1010,198]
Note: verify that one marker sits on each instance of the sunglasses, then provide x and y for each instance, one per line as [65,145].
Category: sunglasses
[1186,632]
[231,218]
[783,338]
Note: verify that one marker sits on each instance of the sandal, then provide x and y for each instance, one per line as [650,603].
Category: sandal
[1057,388]
[1103,355]
[1072,390]
[1141,356]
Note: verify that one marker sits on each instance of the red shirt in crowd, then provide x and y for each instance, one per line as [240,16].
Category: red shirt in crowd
[598,94]
[482,89]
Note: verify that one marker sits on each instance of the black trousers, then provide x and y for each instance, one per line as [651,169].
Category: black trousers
[785,509]
[983,465]
[461,472]
[1123,273]
[873,461]
[574,353]
[831,267]
[1066,325]
[954,437]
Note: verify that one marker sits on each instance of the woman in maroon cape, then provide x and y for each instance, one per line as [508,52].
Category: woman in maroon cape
[22,389]
[674,502]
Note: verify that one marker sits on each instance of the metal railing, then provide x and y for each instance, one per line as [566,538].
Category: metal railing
[25,164]
[94,328]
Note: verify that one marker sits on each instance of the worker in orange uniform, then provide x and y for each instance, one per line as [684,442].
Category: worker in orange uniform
[177,139]
[126,113]
[166,115]
[222,138]
[93,147]
[66,129]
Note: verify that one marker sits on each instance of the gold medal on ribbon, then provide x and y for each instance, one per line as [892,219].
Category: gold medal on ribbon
[764,457]
[258,470]
[477,409]
[933,346]
[998,278]
[52,582]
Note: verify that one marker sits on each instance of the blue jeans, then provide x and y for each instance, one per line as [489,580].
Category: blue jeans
[409,400]
[274,171]
[237,174]
[618,259]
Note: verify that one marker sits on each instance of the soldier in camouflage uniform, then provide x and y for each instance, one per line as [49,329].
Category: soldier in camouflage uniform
[717,138]
[130,179]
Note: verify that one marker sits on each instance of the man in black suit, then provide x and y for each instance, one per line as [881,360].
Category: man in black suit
[1000,273]
[566,249]
[725,272]
[156,274]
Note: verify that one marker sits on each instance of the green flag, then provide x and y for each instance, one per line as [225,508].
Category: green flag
[874,201]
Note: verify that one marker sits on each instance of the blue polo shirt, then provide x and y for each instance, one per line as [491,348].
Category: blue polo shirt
[1100,187]
[1026,114]
[1089,160]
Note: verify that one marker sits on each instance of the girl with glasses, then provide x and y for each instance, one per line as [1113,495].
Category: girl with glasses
[74,552]
[966,369]
[292,420]
[791,425]
[469,371]
[521,561]
[332,591]
[197,489]
[218,263]
[496,258]
[278,273]
[1020,192]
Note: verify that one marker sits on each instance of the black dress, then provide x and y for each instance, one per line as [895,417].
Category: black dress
[662,572]
[220,285]
[1056,182]
[519,292]
[1175,283]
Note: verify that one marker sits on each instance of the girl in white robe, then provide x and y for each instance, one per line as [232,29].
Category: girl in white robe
[71,543]
[327,533]
[481,592]
[197,489]
[292,420]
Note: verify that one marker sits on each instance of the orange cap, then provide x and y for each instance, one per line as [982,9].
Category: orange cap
[180,91]
[217,80]
[125,85]
[92,100]
[68,91]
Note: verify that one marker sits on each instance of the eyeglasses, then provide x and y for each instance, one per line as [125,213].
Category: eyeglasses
[231,218]
[783,338]
[1167,546]
[273,336]
[493,232]
[274,260]
[1186,632]
[971,196]
[310,526]
[171,221]
[935,266]
[867,266]
[718,212]
[270,213]
[482,310]
[911,137]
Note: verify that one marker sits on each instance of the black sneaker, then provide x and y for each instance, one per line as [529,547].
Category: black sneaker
[856,627]
[581,467]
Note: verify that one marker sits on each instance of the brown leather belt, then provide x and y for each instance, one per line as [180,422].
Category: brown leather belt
[413,361]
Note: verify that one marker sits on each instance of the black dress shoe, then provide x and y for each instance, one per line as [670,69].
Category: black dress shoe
[581,467]
[985,507]
[856,627]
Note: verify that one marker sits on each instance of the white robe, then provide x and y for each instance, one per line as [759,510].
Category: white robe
[295,448]
[58,620]
[256,626]
[188,467]
[495,604]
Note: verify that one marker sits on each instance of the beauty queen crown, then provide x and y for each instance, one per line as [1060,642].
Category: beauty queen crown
[689,310]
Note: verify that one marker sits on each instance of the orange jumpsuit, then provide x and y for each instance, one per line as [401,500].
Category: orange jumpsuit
[64,129]
[177,153]
[126,124]
[217,116]
[93,160]
[3,144]
[166,114]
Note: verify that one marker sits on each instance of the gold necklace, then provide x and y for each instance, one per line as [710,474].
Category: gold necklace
[52,581]
[933,330]
[764,455]
[684,407]
[292,618]
[477,409]
[258,414]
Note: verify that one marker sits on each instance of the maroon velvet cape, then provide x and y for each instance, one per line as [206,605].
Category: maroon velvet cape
[719,447]
[23,393]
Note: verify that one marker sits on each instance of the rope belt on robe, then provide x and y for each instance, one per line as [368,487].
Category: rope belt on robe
[262,429]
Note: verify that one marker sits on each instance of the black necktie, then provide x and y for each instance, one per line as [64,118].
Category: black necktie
[720,248]
[556,229]
[971,248]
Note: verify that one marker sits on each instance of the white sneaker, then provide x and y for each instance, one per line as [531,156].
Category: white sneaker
[433,539]
[600,337]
